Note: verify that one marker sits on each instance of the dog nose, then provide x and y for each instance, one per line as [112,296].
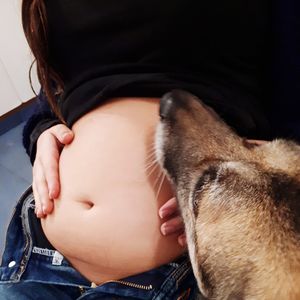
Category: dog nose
[166,104]
[173,100]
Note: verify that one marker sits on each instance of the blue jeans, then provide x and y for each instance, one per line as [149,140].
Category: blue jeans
[31,271]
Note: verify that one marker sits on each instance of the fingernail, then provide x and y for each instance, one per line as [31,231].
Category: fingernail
[162,213]
[51,194]
[65,134]
[39,214]
[52,191]
[44,210]
[165,213]
[165,229]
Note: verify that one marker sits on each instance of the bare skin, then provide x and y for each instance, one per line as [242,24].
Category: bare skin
[46,183]
[112,199]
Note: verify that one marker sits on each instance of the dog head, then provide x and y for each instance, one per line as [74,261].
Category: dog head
[240,202]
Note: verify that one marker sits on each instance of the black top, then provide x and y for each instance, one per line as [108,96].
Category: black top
[217,50]
[214,49]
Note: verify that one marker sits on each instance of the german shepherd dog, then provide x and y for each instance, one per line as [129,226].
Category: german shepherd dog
[240,202]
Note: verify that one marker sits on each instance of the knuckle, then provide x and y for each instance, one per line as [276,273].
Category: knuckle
[60,129]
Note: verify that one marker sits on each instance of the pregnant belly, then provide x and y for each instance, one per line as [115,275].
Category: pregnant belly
[106,221]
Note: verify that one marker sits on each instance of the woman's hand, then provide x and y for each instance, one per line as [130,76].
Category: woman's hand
[45,185]
[173,221]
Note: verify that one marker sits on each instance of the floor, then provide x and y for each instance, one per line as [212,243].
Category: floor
[15,174]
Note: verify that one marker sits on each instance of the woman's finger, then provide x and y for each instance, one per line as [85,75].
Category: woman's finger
[182,240]
[37,198]
[42,191]
[50,168]
[173,225]
[40,183]
[62,133]
[38,206]
[169,208]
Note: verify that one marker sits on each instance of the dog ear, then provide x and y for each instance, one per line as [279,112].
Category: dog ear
[283,155]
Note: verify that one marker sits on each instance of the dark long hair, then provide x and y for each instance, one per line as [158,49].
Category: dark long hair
[34,22]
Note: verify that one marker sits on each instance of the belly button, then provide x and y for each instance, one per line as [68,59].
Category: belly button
[88,204]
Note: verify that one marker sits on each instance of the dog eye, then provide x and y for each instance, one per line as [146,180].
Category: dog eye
[195,203]
[206,178]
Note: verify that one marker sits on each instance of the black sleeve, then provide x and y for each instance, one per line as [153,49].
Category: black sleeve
[42,119]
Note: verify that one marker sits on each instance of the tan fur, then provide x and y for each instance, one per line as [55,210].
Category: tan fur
[242,219]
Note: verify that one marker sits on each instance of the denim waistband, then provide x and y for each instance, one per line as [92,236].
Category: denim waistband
[25,260]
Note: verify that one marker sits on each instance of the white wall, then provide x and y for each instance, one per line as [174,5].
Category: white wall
[15,58]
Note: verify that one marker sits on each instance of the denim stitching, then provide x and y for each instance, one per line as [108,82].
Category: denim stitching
[179,270]
[183,275]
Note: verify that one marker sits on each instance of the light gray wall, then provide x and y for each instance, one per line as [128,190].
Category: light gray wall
[15,58]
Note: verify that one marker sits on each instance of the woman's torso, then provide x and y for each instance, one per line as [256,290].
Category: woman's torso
[106,221]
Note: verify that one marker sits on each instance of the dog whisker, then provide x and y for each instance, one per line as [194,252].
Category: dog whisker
[150,156]
[150,160]
[160,184]
[151,151]
[157,178]
[150,169]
